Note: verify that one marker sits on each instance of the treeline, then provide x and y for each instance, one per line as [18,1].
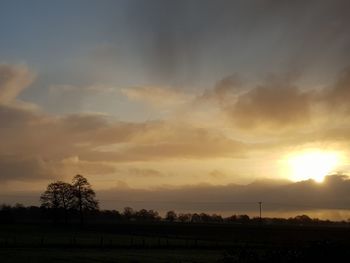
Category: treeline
[75,202]
[34,214]
[69,199]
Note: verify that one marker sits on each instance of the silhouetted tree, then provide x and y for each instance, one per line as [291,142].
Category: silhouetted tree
[184,217]
[109,215]
[128,213]
[216,218]
[6,215]
[147,215]
[84,196]
[205,217]
[243,218]
[50,198]
[66,193]
[142,214]
[232,218]
[195,218]
[302,219]
[58,195]
[171,216]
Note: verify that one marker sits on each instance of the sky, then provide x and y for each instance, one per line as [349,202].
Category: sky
[190,97]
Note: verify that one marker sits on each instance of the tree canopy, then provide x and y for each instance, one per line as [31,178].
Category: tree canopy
[64,196]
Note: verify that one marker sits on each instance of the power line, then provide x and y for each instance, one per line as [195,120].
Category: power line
[260,203]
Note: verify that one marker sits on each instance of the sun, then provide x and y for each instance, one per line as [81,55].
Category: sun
[312,165]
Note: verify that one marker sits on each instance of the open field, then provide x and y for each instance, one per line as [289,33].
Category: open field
[106,255]
[170,242]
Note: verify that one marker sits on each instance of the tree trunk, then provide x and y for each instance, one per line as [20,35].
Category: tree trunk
[81,216]
[80,207]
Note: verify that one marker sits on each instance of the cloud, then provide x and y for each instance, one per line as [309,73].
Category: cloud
[29,168]
[279,103]
[274,105]
[69,135]
[17,167]
[267,35]
[216,174]
[105,54]
[15,117]
[29,136]
[156,96]
[227,89]
[96,88]
[13,80]
[94,143]
[276,196]
[164,140]
[145,172]
[337,96]
[67,98]
[73,165]
[329,200]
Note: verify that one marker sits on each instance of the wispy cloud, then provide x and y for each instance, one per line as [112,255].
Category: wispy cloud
[13,80]
[157,96]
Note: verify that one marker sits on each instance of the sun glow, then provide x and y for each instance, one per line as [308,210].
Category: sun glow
[312,165]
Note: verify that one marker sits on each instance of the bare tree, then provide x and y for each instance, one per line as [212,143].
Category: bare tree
[184,217]
[58,195]
[84,196]
[147,215]
[171,216]
[50,198]
[66,195]
[128,213]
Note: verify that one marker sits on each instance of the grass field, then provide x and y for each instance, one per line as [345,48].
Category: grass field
[39,255]
[158,242]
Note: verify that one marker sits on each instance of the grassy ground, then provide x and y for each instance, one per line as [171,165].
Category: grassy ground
[52,255]
[157,242]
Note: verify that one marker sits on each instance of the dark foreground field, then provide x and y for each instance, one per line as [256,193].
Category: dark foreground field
[172,242]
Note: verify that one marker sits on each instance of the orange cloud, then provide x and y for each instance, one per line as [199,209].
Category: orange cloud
[13,80]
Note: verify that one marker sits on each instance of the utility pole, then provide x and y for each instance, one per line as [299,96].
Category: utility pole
[260,203]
